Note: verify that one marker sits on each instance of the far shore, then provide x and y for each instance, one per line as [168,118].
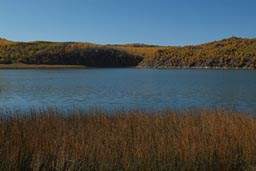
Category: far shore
[197,67]
[43,66]
[35,66]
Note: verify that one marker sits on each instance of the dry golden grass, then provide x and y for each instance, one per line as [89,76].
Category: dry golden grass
[35,66]
[194,140]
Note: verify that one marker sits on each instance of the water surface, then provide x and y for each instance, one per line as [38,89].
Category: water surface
[128,88]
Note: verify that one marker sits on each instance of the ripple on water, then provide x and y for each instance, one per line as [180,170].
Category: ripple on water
[128,88]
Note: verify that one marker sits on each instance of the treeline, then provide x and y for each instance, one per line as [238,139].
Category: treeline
[66,54]
[227,53]
[142,50]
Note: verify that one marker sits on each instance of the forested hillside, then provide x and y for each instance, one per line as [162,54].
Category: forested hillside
[65,53]
[228,53]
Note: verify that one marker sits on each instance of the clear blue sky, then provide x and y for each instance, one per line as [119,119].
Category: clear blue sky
[162,22]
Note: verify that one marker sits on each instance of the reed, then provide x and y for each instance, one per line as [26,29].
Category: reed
[192,140]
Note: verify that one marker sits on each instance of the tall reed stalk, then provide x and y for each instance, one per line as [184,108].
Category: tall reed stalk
[194,140]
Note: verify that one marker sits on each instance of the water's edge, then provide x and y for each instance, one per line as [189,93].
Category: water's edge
[36,66]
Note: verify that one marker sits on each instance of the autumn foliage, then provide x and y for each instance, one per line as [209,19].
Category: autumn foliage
[227,53]
[66,54]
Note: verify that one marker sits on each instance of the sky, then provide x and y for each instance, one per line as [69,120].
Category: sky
[158,22]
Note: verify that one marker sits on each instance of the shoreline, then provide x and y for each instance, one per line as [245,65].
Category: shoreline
[44,66]
[35,66]
[199,68]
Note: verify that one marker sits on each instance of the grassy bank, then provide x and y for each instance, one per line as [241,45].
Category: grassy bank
[33,66]
[186,140]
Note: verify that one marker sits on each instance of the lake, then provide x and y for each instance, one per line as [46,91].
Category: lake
[128,88]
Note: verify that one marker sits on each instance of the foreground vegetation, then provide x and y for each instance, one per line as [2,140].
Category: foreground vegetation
[207,140]
[228,53]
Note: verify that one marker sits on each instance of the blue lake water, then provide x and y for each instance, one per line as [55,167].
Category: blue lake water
[128,88]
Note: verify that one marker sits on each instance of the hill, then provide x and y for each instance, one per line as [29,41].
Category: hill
[227,53]
[55,53]
[5,42]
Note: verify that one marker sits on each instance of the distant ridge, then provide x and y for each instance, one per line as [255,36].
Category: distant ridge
[232,38]
[4,41]
[233,52]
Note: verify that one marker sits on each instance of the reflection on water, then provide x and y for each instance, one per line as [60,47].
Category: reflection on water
[128,88]
[3,86]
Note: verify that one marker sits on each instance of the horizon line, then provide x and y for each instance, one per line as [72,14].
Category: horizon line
[123,44]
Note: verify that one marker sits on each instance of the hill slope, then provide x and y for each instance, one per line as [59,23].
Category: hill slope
[66,54]
[227,53]
[5,42]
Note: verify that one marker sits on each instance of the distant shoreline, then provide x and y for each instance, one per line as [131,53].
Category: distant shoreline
[199,68]
[43,66]
[35,66]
